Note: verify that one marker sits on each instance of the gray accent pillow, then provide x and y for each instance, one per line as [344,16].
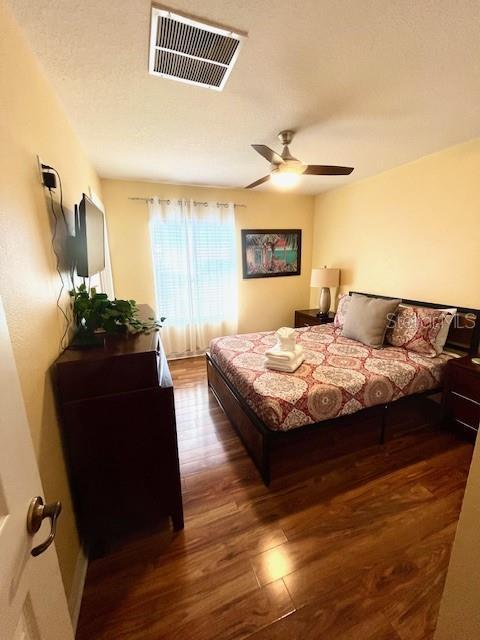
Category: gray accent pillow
[366,319]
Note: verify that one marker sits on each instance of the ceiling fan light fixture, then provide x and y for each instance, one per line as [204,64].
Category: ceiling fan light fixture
[285,169]
[285,179]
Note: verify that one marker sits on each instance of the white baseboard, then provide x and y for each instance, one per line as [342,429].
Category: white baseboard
[76,592]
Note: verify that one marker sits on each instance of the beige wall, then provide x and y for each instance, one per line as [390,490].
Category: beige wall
[459,617]
[32,122]
[412,232]
[264,303]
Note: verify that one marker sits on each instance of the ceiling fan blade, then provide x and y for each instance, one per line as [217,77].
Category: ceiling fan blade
[257,182]
[326,170]
[269,154]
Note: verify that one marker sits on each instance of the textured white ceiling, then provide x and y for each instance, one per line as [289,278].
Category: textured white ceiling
[366,83]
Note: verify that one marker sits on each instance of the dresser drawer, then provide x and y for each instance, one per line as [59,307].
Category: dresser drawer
[464,410]
[80,380]
[465,384]
[302,320]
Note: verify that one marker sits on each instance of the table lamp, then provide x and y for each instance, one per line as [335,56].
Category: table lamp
[324,279]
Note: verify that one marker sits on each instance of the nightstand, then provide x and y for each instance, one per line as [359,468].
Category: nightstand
[461,394]
[309,318]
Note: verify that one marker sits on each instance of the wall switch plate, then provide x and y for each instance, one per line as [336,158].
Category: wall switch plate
[40,170]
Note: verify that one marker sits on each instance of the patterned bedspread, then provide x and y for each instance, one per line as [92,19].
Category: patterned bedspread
[339,376]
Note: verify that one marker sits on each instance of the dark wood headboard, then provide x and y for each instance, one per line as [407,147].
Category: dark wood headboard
[464,334]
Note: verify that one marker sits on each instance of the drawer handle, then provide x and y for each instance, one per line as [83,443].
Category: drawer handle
[459,395]
[468,426]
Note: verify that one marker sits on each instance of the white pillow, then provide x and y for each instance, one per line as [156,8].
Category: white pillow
[442,336]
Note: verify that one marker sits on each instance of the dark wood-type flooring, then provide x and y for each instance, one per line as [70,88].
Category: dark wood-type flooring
[354,547]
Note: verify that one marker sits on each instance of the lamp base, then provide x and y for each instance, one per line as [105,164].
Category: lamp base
[324,302]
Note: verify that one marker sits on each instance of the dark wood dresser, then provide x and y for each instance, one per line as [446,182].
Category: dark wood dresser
[461,394]
[309,318]
[118,425]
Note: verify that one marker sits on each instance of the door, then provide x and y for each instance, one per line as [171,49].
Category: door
[33,605]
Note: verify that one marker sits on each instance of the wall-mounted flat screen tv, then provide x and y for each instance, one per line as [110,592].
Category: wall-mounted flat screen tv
[90,238]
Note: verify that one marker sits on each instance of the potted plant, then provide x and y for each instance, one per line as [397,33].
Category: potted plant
[94,314]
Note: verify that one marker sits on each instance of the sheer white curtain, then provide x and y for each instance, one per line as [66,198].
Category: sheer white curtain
[195,266]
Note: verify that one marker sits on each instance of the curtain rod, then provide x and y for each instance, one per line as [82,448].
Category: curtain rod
[219,204]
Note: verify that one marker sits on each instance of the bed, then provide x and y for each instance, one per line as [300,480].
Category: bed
[341,380]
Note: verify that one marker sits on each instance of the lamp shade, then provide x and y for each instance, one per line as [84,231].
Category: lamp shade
[325,277]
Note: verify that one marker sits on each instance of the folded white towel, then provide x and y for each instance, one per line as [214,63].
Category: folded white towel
[284,333]
[277,354]
[287,367]
[285,338]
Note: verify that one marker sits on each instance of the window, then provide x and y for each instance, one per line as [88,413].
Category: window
[195,270]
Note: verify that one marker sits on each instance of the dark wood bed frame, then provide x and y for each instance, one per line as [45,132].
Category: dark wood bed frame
[260,441]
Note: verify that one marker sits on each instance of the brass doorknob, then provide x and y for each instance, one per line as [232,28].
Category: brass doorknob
[37,512]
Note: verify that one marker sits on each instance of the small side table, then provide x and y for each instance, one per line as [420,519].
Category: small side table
[461,394]
[309,318]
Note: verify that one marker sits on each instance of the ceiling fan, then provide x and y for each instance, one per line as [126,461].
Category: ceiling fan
[286,170]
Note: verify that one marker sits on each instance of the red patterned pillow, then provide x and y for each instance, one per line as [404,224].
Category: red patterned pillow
[342,308]
[416,329]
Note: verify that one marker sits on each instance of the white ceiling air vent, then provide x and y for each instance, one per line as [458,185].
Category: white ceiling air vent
[190,51]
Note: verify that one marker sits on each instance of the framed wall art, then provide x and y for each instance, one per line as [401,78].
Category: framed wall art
[268,253]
